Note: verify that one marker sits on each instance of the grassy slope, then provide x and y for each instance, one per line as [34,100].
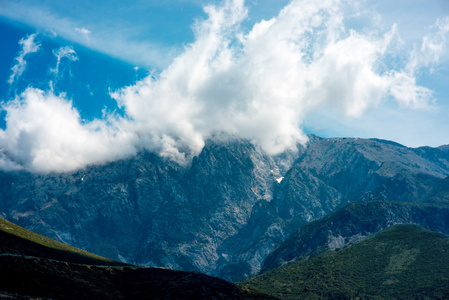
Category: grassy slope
[402,262]
[32,265]
[18,240]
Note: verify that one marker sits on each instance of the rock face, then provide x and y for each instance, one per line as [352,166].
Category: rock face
[226,211]
[153,212]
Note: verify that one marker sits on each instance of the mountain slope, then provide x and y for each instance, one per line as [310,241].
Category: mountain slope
[333,172]
[353,223]
[223,213]
[150,211]
[439,193]
[34,266]
[401,262]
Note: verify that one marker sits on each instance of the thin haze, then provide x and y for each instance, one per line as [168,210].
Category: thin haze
[258,84]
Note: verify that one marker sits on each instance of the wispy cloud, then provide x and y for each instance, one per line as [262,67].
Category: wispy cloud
[85,32]
[108,34]
[433,46]
[257,84]
[63,52]
[28,46]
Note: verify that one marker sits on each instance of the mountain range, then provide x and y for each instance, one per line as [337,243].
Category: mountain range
[234,210]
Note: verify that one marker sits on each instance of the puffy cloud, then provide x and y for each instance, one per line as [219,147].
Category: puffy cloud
[28,46]
[257,84]
[45,133]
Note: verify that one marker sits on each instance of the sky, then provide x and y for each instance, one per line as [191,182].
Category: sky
[90,82]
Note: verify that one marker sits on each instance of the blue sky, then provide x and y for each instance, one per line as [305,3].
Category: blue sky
[85,82]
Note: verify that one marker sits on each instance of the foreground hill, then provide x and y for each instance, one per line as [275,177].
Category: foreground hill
[223,213]
[34,266]
[401,262]
[18,241]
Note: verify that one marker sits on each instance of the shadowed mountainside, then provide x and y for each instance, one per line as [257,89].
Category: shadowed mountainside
[34,266]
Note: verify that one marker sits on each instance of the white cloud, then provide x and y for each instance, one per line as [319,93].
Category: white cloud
[404,89]
[45,133]
[83,31]
[28,46]
[63,52]
[257,85]
[433,46]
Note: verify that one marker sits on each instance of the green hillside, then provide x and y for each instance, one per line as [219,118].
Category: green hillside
[401,262]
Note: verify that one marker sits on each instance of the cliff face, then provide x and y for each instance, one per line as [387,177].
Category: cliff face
[226,211]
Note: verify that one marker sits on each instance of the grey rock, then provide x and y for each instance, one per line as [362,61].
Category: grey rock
[224,212]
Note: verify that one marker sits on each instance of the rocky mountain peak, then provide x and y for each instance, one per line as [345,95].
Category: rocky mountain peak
[223,213]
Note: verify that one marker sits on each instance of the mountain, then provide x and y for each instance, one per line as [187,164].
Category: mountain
[333,172]
[223,213]
[330,173]
[33,266]
[353,223]
[402,262]
[150,211]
